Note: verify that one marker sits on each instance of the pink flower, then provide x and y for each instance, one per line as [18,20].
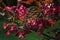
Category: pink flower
[22,18]
[5,26]
[39,33]
[21,35]
[52,22]
[16,29]
[12,28]
[45,11]
[28,21]
[40,25]
[53,11]
[8,33]
[22,12]
[33,22]
[10,9]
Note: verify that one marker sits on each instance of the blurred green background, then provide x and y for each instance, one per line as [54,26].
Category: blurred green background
[32,36]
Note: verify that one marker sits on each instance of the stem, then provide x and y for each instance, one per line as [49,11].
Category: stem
[48,36]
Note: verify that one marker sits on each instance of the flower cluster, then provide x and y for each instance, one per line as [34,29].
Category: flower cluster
[23,20]
[52,11]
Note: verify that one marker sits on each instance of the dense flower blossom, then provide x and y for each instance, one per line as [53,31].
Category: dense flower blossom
[51,10]
[22,12]
[22,20]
